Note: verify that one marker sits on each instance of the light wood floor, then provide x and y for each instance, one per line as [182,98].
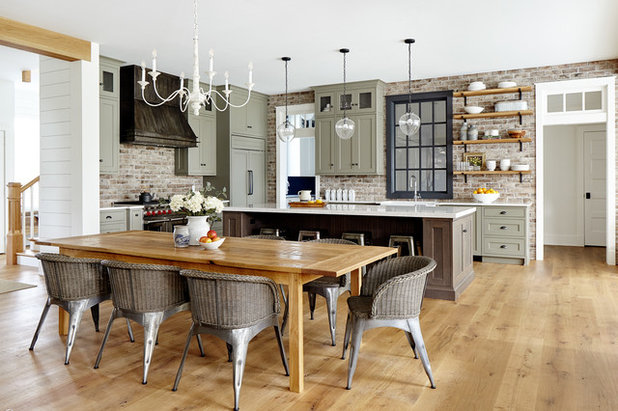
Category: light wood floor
[538,337]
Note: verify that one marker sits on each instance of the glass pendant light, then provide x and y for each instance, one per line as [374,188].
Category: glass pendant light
[409,123]
[285,130]
[345,127]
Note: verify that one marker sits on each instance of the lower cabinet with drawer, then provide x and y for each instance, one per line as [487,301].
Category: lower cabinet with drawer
[121,219]
[504,234]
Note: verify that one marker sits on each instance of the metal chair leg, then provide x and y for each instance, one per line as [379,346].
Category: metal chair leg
[94,310]
[311,303]
[112,317]
[41,321]
[230,349]
[415,329]
[285,310]
[331,307]
[282,350]
[412,344]
[76,309]
[346,337]
[239,355]
[357,334]
[184,357]
[199,344]
[130,331]
[151,331]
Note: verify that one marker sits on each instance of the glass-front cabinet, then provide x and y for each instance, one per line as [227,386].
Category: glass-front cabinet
[356,100]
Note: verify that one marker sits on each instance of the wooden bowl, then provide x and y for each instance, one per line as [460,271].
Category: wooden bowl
[517,133]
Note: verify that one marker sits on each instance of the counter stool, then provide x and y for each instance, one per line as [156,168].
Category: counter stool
[305,235]
[269,231]
[358,238]
[399,240]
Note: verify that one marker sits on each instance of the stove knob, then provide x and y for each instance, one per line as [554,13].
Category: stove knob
[147,213]
[159,212]
[169,211]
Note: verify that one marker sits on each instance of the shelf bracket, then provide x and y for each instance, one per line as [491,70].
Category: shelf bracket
[520,118]
[465,148]
[519,89]
[465,178]
[466,100]
[521,145]
[521,177]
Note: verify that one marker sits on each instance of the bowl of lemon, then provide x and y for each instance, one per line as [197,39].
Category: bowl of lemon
[485,195]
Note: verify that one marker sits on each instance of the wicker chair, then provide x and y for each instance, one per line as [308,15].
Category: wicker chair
[147,294]
[330,288]
[391,296]
[234,308]
[74,284]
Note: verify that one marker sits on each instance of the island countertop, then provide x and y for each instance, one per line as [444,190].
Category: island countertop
[419,211]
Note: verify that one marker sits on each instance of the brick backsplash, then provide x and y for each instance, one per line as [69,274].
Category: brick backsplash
[144,168]
[374,187]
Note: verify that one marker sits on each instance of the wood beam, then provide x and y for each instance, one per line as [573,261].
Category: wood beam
[41,41]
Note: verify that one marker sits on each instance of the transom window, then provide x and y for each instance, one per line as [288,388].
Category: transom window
[426,157]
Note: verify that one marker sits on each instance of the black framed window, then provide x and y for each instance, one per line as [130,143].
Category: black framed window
[427,156]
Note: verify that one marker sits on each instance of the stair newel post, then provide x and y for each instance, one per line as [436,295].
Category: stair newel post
[14,237]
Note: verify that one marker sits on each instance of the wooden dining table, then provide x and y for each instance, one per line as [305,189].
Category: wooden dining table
[286,262]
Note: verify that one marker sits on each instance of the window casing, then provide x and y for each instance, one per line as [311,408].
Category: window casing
[427,155]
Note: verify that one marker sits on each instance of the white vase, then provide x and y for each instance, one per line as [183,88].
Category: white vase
[198,227]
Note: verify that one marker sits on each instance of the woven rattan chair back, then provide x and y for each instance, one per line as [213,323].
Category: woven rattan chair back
[68,278]
[230,301]
[146,287]
[265,237]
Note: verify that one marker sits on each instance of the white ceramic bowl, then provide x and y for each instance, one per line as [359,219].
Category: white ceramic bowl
[476,85]
[486,198]
[507,84]
[473,109]
[214,245]
[520,167]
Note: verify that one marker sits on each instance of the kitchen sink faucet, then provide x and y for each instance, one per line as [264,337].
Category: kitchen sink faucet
[414,183]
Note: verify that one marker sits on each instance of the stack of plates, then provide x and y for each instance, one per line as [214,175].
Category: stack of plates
[507,84]
[476,86]
[520,167]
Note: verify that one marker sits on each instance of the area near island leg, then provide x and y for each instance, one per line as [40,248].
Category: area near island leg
[355,280]
[297,368]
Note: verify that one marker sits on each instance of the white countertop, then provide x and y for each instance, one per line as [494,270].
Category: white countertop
[469,202]
[124,207]
[419,211]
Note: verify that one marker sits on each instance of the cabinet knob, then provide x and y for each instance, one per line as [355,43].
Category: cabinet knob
[503,246]
[464,231]
[503,227]
[202,164]
[503,212]
[249,126]
[100,160]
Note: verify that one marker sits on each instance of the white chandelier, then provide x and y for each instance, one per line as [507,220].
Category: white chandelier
[196,97]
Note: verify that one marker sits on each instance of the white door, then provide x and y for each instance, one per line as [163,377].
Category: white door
[239,184]
[594,187]
[3,215]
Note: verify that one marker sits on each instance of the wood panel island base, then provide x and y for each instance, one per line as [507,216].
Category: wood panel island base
[444,233]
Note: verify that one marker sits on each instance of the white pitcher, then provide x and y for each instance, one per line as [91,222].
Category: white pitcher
[304,195]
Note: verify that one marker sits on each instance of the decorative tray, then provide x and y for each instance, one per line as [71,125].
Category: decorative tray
[307,204]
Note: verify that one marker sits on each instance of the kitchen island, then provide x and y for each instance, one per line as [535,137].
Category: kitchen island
[444,233]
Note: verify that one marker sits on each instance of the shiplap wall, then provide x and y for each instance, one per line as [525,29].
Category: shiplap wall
[69,186]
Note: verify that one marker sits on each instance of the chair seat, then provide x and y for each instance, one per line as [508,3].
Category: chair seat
[360,305]
[334,282]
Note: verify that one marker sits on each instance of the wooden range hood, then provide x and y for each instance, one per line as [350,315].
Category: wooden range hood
[163,126]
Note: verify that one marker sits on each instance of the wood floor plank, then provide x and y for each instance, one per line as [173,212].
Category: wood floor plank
[543,336]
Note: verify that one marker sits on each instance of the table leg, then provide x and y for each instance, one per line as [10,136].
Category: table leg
[295,301]
[63,322]
[356,278]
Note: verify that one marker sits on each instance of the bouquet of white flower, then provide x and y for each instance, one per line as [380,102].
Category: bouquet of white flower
[196,203]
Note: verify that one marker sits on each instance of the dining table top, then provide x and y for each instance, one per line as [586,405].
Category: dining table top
[243,253]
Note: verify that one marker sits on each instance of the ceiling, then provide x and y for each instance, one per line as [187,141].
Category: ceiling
[452,37]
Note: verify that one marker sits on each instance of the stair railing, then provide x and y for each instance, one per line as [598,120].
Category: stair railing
[15,240]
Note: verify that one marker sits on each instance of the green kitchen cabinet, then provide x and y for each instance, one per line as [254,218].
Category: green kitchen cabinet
[325,146]
[200,160]
[249,120]
[109,115]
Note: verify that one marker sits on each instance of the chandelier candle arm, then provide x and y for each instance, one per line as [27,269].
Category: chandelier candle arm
[195,98]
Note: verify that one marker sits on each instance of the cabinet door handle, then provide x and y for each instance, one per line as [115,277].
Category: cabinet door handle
[503,227]
[250,175]
[203,164]
[100,160]
[108,217]
[464,231]
[503,212]
[249,126]
[503,246]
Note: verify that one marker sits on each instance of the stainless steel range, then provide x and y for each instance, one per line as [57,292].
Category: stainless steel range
[158,216]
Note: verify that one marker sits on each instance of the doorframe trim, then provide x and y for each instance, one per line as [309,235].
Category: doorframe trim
[607,85]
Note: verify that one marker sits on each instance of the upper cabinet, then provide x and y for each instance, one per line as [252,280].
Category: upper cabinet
[363,154]
[109,115]
[249,120]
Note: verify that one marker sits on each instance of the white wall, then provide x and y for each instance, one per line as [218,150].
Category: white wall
[69,188]
[563,188]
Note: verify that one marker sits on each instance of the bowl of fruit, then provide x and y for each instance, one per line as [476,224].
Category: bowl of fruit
[211,240]
[486,196]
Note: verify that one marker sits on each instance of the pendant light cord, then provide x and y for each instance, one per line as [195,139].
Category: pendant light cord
[286,92]
[409,76]
[345,96]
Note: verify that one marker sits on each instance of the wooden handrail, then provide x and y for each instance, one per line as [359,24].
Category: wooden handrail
[30,184]
[15,236]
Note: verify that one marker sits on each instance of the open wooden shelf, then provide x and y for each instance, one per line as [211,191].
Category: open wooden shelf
[495,172]
[494,114]
[491,91]
[521,140]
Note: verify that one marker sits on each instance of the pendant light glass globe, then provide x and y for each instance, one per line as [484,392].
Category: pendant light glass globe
[409,123]
[285,131]
[345,128]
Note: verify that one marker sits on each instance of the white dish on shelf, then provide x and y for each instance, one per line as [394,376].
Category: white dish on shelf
[511,105]
[486,198]
[214,245]
[476,86]
[520,167]
[473,109]
[507,84]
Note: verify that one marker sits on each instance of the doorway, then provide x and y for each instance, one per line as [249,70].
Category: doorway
[3,220]
[575,185]
[580,102]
